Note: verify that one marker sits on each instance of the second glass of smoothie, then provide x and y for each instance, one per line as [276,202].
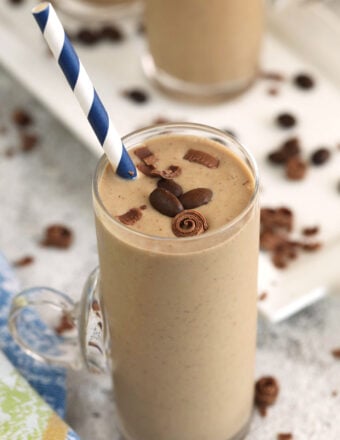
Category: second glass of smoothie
[203,49]
[181,309]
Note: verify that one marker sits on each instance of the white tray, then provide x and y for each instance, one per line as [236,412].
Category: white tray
[114,68]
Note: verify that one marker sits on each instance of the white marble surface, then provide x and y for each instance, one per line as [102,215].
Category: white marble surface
[52,183]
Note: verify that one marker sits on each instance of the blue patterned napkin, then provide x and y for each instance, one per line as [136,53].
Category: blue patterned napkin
[49,382]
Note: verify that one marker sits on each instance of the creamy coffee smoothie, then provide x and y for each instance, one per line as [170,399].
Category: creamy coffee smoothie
[181,304]
[206,43]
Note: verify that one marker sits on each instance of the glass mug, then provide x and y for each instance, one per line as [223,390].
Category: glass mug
[175,319]
[202,49]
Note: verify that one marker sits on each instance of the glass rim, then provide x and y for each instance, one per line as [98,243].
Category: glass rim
[180,126]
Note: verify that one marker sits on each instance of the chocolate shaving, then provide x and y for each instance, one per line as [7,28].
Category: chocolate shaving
[130,217]
[24,261]
[171,172]
[146,169]
[266,392]
[59,236]
[202,158]
[189,223]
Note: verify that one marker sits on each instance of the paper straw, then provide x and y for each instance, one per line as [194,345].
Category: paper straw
[80,83]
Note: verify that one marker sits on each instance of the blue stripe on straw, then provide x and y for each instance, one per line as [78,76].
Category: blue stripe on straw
[98,118]
[126,167]
[42,17]
[69,62]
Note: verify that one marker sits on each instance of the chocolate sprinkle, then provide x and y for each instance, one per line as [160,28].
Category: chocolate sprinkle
[202,158]
[131,216]
[189,223]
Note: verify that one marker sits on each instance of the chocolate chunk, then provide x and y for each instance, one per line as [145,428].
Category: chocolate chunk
[291,147]
[137,96]
[171,172]
[189,223]
[28,142]
[266,391]
[171,186]
[130,217]
[146,169]
[202,158]
[59,236]
[87,36]
[285,436]
[24,261]
[310,231]
[144,154]
[296,168]
[336,353]
[269,240]
[320,156]
[21,118]
[66,323]
[165,202]
[304,81]
[111,33]
[276,219]
[286,120]
[196,197]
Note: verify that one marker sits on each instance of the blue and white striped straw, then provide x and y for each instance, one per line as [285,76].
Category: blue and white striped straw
[80,83]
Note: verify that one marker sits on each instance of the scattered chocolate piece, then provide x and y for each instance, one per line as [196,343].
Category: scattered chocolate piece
[270,240]
[263,296]
[171,172]
[28,142]
[21,118]
[336,353]
[273,91]
[296,168]
[291,147]
[130,217]
[285,436]
[143,207]
[138,96]
[57,236]
[171,186]
[24,261]
[311,247]
[312,230]
[189,223]
[202,158]
[111,33]
[286,120]
[196,197]
[87,36]
[304,81]
[165,202]
[145,169]
[320,156]
[266,392]
[65,324]
[273,76]
[276,219]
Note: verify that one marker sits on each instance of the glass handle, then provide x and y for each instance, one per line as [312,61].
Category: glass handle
[52,328]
